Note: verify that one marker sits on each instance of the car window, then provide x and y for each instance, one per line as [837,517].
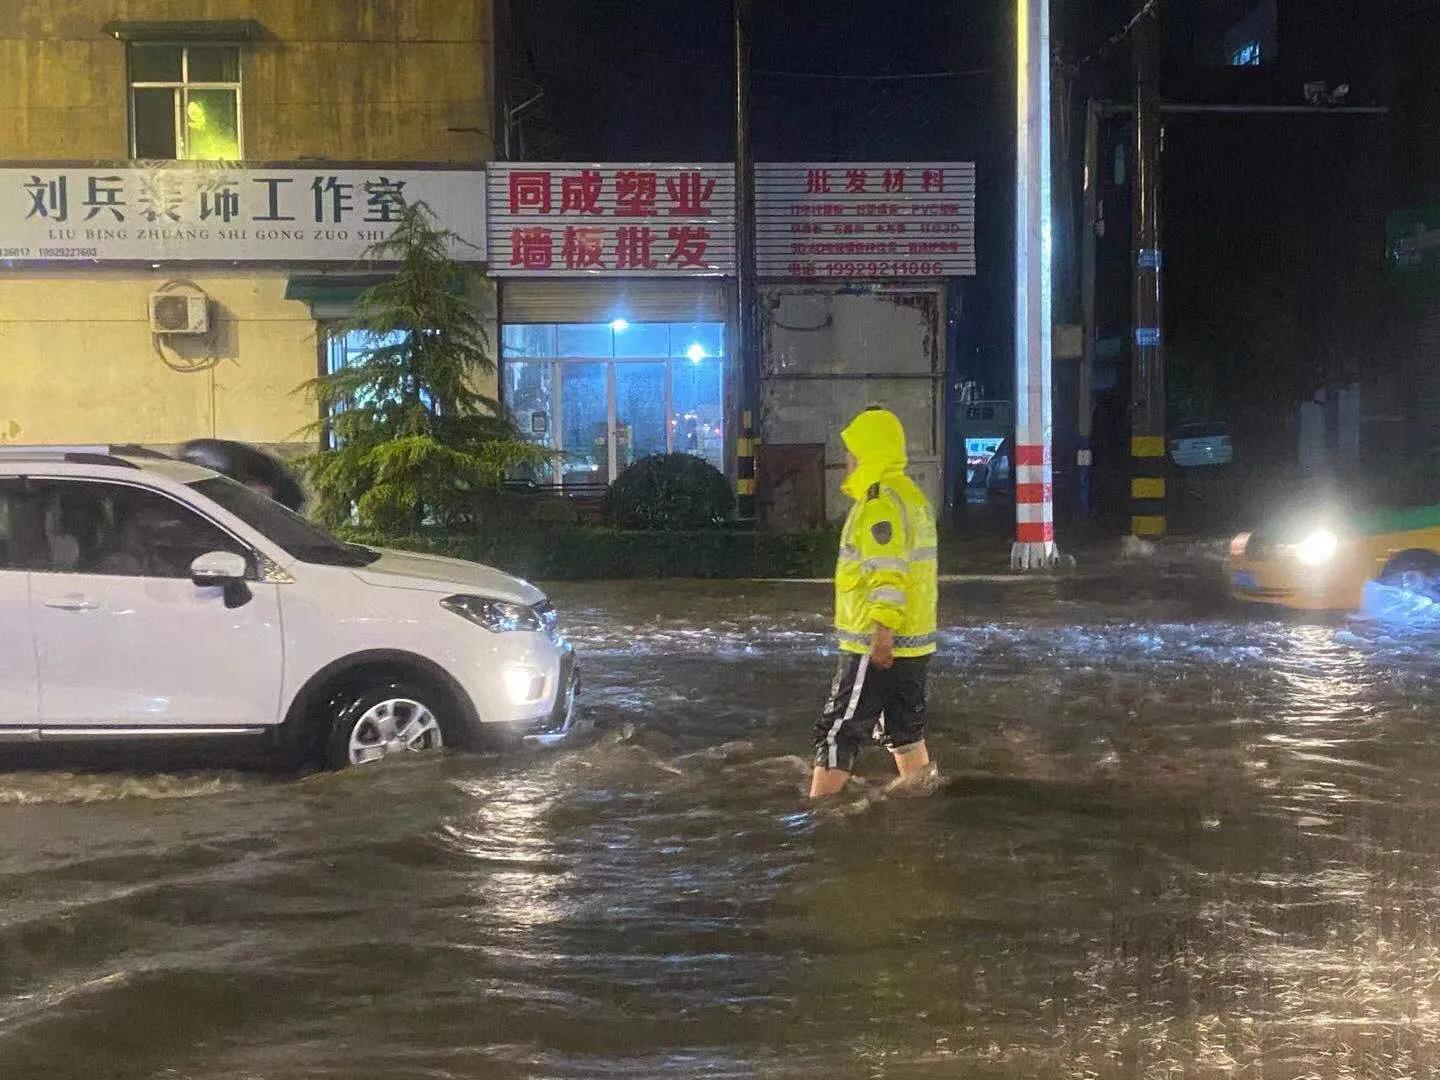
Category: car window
[281,526]
[22,532]
[1202,430]
[123,531]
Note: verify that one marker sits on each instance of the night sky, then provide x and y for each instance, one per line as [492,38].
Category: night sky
[1275,230]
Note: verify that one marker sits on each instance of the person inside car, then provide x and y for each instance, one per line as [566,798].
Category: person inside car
[72,528]
[136,552]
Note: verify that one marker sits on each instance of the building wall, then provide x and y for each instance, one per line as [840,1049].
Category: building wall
[343,80]
[80,364]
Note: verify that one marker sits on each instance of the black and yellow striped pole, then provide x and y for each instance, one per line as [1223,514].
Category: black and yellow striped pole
[1147,487]
[1147,368]
[747,300]
[745,467]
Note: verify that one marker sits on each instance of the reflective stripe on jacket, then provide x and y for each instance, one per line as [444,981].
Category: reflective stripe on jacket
[886,573]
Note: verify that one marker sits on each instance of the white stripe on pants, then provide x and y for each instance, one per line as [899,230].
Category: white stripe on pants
[854,704]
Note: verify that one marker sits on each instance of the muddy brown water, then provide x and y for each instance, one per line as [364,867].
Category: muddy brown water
[1172,839]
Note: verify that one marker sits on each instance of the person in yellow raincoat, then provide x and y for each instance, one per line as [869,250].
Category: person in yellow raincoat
[885,610]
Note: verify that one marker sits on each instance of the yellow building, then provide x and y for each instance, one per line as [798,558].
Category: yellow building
[102,104]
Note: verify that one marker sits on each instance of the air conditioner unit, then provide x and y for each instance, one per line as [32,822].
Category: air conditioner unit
[181,309]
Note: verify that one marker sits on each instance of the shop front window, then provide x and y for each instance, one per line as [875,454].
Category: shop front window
[529,390]
[608,394]
[345,349]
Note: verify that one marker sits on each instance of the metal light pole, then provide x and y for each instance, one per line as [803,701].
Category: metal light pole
[1034,546]
[1090,222]
[1147,350]
[747,303]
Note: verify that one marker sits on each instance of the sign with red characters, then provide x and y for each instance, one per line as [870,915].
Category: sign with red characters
[894,219]
[608,220]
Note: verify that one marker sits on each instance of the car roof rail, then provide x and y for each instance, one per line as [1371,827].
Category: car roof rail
[135,450]
[74,455]
[99,459]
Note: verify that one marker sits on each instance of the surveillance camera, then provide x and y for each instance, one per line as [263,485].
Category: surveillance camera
[1315,92]
[1340,91]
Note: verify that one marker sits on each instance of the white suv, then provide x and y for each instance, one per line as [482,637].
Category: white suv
[142,597]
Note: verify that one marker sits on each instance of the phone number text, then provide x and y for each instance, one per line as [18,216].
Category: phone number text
[891,268]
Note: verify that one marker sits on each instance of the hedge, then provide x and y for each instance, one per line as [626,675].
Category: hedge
[578,553]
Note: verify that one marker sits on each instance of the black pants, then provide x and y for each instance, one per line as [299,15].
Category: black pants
[867,705]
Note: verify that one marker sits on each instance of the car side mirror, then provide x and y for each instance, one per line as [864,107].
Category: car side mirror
[223,570]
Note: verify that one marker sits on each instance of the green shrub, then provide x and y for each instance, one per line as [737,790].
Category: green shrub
[572,553]
[672,492]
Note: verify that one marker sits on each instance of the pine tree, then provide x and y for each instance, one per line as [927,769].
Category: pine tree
[412,440]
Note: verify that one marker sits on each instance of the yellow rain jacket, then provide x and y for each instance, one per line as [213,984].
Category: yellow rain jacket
[887,569]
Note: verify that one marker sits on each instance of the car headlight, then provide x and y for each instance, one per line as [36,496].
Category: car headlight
[497,616]
[1317,548]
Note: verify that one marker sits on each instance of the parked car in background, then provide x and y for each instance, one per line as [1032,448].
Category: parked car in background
[1199,444]
[146,598]
[1000,477]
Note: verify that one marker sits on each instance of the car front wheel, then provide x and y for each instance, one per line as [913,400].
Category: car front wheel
[386,721]
[1414,571]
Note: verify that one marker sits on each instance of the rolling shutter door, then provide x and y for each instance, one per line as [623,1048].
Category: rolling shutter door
[638,300]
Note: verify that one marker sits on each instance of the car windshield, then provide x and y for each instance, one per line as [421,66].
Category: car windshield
[281,526]
[1201,430]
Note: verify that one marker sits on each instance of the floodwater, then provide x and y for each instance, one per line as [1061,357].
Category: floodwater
[1172,839]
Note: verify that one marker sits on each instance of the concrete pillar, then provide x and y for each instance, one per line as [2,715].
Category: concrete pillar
[1034,546]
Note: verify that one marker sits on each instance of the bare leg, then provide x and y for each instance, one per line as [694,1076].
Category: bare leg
[911,760]
[825,782]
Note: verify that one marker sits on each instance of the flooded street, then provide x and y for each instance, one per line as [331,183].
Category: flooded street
[1172,839]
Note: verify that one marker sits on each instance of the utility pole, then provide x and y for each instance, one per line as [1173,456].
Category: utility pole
[1096,113]
[1089,228]
[747,302]
[1147,349]
[1034,546]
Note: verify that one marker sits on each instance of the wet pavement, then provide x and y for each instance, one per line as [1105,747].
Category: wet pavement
[1172,839]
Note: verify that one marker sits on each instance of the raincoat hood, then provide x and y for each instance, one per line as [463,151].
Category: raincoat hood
[877,439]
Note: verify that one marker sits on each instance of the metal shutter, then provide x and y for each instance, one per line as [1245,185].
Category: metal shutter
[584,301]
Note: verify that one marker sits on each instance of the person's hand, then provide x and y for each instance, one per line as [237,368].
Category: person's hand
[882,648]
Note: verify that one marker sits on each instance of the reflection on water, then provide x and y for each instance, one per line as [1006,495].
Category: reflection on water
[1171,840]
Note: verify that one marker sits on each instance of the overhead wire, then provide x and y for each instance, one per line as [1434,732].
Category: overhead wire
[1115,40]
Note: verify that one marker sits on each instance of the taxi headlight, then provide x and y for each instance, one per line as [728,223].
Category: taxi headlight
[1317,548]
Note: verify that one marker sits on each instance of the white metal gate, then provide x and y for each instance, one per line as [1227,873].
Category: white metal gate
[829,351]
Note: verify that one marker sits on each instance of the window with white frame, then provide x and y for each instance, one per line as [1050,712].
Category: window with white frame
[185,102]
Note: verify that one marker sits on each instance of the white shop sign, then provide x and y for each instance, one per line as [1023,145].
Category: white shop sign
[189,212]
[560,219]
[887,220]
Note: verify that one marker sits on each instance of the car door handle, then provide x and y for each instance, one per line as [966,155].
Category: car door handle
[71,603]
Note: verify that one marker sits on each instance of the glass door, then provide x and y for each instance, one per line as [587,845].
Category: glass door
[584,407]
[639,412]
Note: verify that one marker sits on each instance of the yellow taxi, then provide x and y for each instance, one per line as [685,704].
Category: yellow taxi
[1324,563]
